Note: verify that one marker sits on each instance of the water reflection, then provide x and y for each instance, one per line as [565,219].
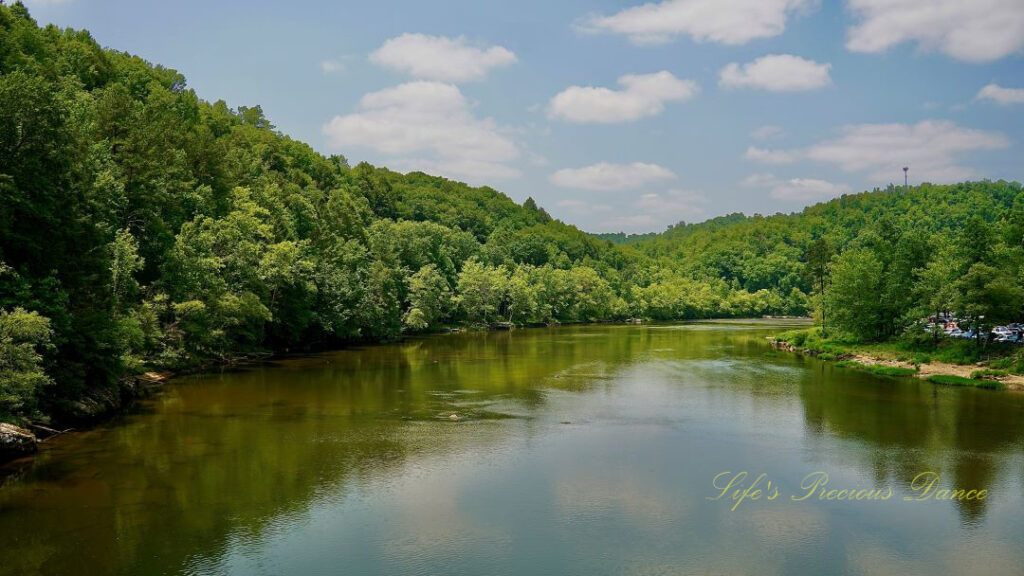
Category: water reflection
[575,450]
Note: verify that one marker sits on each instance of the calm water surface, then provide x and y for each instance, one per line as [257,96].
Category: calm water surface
[584,450]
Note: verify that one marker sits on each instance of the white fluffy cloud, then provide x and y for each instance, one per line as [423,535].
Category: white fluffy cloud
[652,210]
[932,149]
[642,95]
[440,58]
[732,22]
[974,31]
[426,126]
[796,189]
[682,203]
[605,176]
[807,190]
[765,156]
[1001,95]
[777,73]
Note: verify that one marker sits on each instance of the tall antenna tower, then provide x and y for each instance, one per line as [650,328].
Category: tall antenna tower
[905,186]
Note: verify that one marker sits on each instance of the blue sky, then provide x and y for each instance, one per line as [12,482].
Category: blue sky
[613,115]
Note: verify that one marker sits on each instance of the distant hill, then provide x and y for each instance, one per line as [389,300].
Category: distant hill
[769,251]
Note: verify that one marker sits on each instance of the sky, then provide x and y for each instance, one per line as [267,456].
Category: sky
[614,116]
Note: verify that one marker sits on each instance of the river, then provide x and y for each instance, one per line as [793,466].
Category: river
[576,450]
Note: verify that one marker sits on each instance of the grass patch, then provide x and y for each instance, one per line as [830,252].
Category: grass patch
[877,369]
[988,374]
[1013,363]
[946,380]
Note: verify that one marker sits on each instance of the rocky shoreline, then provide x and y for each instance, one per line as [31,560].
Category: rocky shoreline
[16,442]
[21,441]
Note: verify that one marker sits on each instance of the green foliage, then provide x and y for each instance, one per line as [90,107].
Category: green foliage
[793,337]
[990,295]
[853,298]
[877,369]
[430,299]
[988,374]
[23,338]
[1011,362]
[481,290]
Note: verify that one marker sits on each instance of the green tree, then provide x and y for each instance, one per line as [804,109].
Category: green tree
[23,337]
[853,297]
[481,290]
[819,254]
[936,287]
[124,263]
[430,298]
[989,296]
[521,296]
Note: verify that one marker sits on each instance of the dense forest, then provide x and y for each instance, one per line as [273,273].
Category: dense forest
[144,228]
[875,263]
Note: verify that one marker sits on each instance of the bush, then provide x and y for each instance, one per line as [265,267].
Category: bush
[1014,363]
[793,337]
[988,374]
[23,336]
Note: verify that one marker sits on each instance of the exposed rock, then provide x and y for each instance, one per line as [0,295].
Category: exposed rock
[15,442]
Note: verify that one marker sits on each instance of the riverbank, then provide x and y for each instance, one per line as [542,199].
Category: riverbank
[22,438]
[943,363]
[100,405]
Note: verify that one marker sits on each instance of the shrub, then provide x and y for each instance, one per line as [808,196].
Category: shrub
[793,337]
[23,336]
[1014,363]
[988,374]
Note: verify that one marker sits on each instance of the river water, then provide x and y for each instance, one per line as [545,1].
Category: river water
[577,450]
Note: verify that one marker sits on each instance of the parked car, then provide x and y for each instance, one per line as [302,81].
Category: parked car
[1009,333]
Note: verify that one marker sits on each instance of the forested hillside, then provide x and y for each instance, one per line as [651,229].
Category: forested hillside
[142,227]
[959,225]
[875,262]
